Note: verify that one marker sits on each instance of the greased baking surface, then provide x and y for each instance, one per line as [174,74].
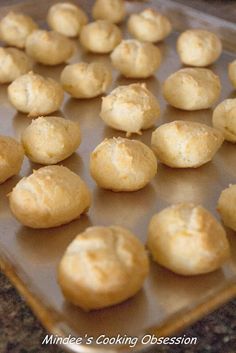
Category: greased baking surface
[36,253]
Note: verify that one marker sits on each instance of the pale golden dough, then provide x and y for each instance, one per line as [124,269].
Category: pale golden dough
[226,206]
[67,19]
[198,47]
[188,240]
[149,25]
[35,95]
[49,197]
[111,10]
[186,144]
[49,47]
[120,164]
[11,157]
[136,59]
[192,89]
[130,108]
[224,119]
[13,63]
[86,80]
[103,266]
[15,28]
[232,73]
[51,139]
[100,36]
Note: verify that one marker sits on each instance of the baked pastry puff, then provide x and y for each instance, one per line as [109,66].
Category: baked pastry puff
[120,164]
[13,63]
[11,157]
[188,240]
[198,47]
[149,25]
[50,139]
[67,19]
[100,36]
[136,59]
[35,95]
[224,119]
[103,266]
[49,197]
[232,73]
[15,28]
[192,89]
[86,80]
[49,47]
[186,144]
[111,10]
[226,206]
[130,108]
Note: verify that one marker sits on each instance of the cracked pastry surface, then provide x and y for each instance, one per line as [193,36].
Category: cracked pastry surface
[11,157]
[49,197]
[187,239]
[120,164]
[186,144]
[35,95]
[49,47]
[111,10]
[198,47]
[15,27]
[192,89]
[51,139]
[67,19]
[86,80]
[100,36]
[232,73]
[13,63]
[224,119]
[103,266]
[136,59]
[226,206]
[149,25]
[130,108]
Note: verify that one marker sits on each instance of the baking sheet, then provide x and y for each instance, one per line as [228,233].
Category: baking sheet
[168,302]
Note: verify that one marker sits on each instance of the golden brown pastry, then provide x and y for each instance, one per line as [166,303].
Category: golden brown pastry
[15,28]
[192,89]
[35,95]
[67,19]
[103,266]
[51,139]
[232,73]
[187,239]
[198,47]
[49,197]
[226,206]
[120,164]
[13,63]
[186,144]
[149,25]
[111,10]
[224,119]
[86,80]
[11,157]
[100,36]
[135,59]
[130,108]
[49,47]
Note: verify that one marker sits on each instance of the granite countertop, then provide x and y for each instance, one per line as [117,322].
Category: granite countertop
[21,332]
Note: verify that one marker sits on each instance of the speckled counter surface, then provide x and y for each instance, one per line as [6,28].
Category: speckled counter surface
[21,332]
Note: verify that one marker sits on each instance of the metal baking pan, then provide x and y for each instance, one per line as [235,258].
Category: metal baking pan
[30,258]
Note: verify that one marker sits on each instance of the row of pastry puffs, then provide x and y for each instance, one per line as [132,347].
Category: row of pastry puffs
[106,265]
